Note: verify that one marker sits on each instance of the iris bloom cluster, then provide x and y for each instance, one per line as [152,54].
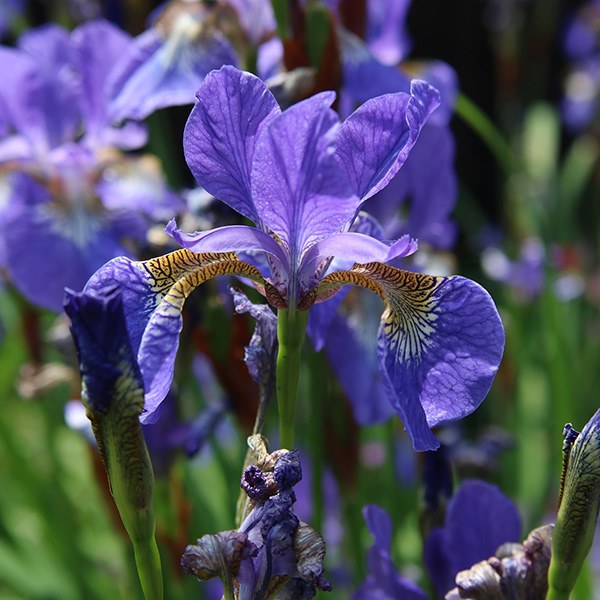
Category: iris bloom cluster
[74,199]
[301,176]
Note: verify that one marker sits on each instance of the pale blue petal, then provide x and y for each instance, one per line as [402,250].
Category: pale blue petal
[163,72]
[358,248]
[98,45]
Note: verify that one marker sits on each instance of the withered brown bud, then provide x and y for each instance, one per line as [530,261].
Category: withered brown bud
[517,572]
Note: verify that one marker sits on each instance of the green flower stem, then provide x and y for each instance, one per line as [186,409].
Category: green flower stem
[132,485]
[291,328]
[554,594]
[228,593]
[319,395]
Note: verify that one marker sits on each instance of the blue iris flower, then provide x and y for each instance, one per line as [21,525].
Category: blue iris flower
[73,197]
[301,176]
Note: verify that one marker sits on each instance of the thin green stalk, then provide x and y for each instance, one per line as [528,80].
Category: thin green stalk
[228,589]
[318,397]
[291,328]
[487,131]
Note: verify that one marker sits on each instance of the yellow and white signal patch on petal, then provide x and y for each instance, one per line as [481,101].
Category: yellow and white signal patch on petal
[411,304]
[411,309]
[439,345]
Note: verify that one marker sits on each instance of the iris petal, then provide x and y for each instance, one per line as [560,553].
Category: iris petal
[357,247]
[233,108]
[158,72]
[296,181]
[154,292]
[375,140]
[231,238]
[440,343]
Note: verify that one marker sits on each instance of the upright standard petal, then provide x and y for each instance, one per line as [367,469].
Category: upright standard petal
[296,184]
[98,45]
[220,136]
[440,343]
[386,33]
[428,181]
[375,140]
[34,102]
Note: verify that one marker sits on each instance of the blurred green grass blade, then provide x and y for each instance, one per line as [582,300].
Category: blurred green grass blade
[473,116]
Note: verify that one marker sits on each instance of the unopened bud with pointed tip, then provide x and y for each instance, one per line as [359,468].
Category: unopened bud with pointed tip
[578,511]
[113,395]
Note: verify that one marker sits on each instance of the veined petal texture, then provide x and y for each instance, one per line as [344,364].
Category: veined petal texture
[153,293]
[233,108]
[296,184]
[440,343]
[375,140]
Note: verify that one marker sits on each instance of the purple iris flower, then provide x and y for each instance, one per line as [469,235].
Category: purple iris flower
[525,275]
[73,196]
[418,201]
[165,64]
[427,180]
[479,519]
[383,582]
[301,176]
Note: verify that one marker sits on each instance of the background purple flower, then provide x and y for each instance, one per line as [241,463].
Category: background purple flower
[383,582]
[75,198]
[479,519]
